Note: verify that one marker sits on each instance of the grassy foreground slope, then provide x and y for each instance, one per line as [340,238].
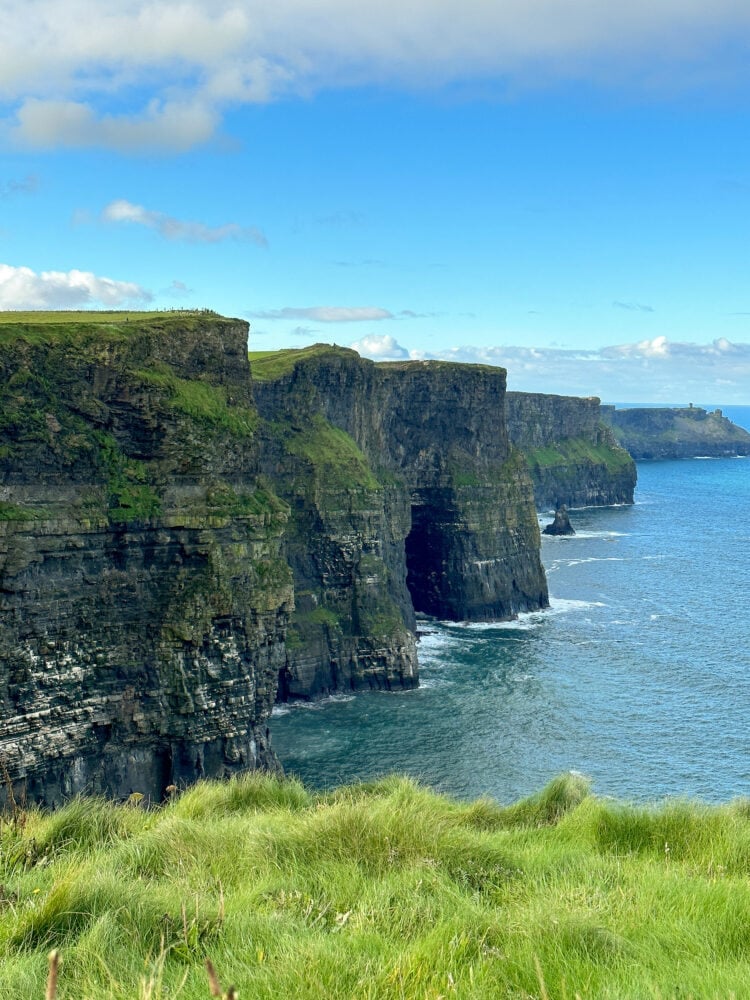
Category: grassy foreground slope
[384,890]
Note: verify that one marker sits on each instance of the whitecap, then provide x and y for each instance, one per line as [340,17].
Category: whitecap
[593,559]
[562,605]
[315,705]
[600,534]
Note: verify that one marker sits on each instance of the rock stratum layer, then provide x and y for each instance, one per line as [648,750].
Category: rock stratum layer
[676,432]
[174,551]
[573,456]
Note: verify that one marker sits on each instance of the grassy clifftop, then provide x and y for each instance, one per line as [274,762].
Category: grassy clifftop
[384,890]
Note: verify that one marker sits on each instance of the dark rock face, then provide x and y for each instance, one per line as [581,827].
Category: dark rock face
[458,537]
[143,598]
[573,456]
[170,557]
[561,525]
[676,432]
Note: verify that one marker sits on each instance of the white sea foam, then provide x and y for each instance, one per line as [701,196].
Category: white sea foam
[601,534]
[593,559]
[562,605]
[524,623]
[527,620]
[313,706]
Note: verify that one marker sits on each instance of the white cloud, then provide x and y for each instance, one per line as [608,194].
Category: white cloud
[659,347]
[166,126]
[326,314]
[22,288]
[68,66]
[657,370]
[179,229]
[380,347]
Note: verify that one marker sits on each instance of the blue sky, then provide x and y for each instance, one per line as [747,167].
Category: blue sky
[559,188]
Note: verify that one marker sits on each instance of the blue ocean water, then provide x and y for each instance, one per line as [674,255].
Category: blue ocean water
[638,675]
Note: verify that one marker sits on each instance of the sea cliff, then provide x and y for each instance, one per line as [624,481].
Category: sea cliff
[431,468]
[180,544]
[676,432]
[572,454]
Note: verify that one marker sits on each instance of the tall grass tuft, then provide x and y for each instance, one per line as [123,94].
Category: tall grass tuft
[384,891]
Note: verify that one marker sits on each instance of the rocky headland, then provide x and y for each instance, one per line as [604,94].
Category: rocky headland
[182,541]
[572,454]
[676,432]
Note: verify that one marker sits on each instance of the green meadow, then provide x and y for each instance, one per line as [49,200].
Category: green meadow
[383,890]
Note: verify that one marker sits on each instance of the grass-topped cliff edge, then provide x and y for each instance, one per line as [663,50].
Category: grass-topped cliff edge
[384,890]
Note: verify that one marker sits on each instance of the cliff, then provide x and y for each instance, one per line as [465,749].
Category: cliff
[173,551]
[439,513]
[573,456]
[143,597]
[679,432]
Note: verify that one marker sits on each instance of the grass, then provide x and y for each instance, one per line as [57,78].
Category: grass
[18,512]
[47,327]
[576,451]
[201,401]
[335,457]
[383,890]
[13,316]
[269,365]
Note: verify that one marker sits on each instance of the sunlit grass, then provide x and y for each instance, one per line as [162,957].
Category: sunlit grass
[384,890]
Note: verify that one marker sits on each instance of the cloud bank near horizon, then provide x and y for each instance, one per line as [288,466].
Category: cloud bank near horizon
[656,370]
[142,75]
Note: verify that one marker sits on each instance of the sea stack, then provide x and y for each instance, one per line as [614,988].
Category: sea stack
[561,525]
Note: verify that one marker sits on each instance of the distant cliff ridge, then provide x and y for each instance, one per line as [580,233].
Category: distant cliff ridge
[573,456]
[676,432]
[180,543]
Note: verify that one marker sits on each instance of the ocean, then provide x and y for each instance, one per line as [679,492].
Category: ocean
[638,675]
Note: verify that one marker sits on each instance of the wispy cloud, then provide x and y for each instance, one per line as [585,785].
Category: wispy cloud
[633,307]
[29,185]
[380,347]
[68,67]
[22,288]
[326,314]
[122,211]
[656,370]
[177,290]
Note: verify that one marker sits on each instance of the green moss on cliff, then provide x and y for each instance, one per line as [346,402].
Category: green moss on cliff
[336,460]
[19,512]
[201,401]
[131,496]
[577,451]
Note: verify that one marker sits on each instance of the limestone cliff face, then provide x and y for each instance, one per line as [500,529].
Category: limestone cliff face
[143,598]
[422,452]
[158,524]
[676,432]
[573,457]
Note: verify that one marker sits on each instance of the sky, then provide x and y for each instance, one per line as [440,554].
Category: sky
[559,187]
